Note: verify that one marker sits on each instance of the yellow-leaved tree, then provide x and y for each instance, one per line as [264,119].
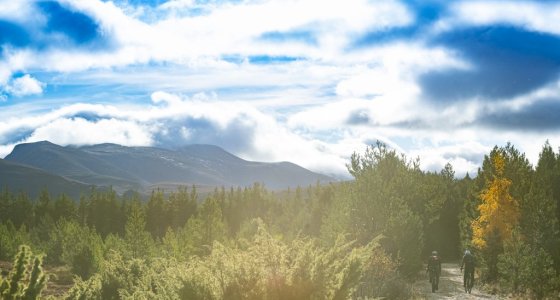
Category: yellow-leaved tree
[499,214]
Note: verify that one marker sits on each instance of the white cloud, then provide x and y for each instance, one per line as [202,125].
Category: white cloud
[163,97]
[384,92]
[253,134]
[531,15]
[225,29]
[84,132]
[177,4]
[237,126]
[300,111]
[18,11]
[24,86]
[465,156]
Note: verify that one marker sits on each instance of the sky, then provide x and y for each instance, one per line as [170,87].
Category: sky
[309,82]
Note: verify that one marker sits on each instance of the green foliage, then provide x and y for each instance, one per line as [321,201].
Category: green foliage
[527,261]
[44,207]
[271,269]
[64,208]
[76,246]
[37,280]
[264,268]
[11,238]
[540,219]
[391,196]
[156,216]
[15,285]
[138,240]
[179,244]
[26,280]
[102,211]
[182,206]
[211,221]
[405,229]
[19,211]
[352,239]
[85,289]
[528,270]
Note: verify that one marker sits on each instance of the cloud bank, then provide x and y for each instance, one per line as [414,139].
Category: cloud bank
[303,81]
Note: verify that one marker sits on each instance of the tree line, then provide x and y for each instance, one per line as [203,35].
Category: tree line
[367,237]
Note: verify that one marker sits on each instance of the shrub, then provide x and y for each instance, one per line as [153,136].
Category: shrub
[263,267]
[524,270]
[26,280]
[11,238]
[76,246]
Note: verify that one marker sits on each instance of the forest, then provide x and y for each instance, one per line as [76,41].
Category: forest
[360,239]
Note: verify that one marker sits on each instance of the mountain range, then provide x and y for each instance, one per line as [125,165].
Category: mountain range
[33,166]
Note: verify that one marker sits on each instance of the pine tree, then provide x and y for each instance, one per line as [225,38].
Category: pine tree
[137,238]
[17,275]
[157,219]
[539,219]
[37,281]
[44,206]
[65,208]
[212,226]
[23,284]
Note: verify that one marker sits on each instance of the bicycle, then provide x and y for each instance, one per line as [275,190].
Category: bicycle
[468,280]
[434,279]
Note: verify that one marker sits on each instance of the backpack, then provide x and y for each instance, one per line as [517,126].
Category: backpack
[434,260]
[469,260]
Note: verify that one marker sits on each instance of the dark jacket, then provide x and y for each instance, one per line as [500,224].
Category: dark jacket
[434,263]
[468,262]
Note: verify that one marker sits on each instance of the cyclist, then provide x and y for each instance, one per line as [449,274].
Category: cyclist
[468,263]
[434,269]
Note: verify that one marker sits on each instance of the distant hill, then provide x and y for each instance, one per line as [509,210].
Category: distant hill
[17,178]
[142,168]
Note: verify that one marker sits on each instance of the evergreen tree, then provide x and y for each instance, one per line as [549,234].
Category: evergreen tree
[182,206]
[21,211]
[139,241]
[64,208]
[539,219]
[211,225]
[157,219]
[26,280]
[37,281]
[44,207]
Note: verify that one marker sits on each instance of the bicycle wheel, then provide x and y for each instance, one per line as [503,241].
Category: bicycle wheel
[468,283]
[433,281]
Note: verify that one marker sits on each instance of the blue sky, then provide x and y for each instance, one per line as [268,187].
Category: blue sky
[283,80]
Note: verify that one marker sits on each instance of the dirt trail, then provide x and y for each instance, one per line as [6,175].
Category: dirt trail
[450,286]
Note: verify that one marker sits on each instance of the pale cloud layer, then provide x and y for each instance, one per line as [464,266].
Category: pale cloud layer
[531,15]
[190,120]
[24,86]
[304,81]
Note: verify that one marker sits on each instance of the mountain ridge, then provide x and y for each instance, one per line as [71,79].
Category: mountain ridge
[21,178]
[139,168]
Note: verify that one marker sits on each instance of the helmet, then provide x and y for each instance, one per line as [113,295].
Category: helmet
[434,253]
[467,252]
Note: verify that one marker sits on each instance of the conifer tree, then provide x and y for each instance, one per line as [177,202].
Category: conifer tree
[539,211]
[156,215]
[23,284]
[37,281]
[137,238]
